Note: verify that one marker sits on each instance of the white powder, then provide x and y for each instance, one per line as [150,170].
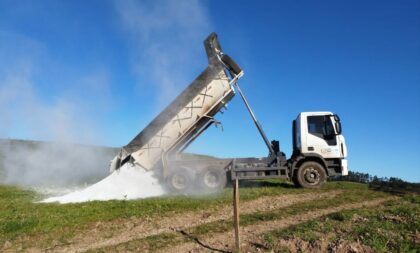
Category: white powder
[128,182]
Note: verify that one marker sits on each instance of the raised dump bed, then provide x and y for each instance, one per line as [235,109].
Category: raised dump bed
[187,116]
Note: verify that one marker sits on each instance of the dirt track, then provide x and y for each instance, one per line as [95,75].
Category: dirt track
[122,231]
[131,229]
[224,242]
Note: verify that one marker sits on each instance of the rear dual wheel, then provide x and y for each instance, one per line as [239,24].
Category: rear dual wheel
[212,179]
[180,180]
[184,180]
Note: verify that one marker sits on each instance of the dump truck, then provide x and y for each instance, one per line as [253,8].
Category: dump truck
[319,148]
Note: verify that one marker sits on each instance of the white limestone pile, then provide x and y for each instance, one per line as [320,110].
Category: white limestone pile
[127,183]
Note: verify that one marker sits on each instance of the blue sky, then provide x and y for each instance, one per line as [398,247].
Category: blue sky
[97,72]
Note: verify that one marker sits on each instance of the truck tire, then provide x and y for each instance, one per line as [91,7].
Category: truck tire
[180,180]
[212,179]
[311,175]
[295,180]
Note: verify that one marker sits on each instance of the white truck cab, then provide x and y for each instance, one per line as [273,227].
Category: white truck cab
[317,137]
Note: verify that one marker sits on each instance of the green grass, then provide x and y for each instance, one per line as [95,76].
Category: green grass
[28,224]
[147,244]
[21,217]
[352,193]
[389,228]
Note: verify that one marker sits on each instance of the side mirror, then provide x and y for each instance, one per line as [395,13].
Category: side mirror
[337,124]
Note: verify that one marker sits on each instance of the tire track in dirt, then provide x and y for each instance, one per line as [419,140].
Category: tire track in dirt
[224,242]
[138,228]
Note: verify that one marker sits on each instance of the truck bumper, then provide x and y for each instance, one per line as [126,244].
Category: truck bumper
[344,168]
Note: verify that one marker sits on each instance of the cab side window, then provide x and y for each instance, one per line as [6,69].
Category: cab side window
[316,126]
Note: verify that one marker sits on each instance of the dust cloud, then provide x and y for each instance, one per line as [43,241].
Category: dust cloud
[165,36]
[52,166]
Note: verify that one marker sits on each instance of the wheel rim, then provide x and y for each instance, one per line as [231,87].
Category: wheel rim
[211,179]
[312,176]
[178,181]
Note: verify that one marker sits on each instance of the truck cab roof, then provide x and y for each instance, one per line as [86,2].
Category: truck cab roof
[305,114]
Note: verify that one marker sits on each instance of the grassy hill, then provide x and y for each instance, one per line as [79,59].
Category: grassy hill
[274,217]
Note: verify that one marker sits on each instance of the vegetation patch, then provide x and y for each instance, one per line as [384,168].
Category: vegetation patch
[147,244]
[349,196]
[393,227]
[354,193]
[25,222]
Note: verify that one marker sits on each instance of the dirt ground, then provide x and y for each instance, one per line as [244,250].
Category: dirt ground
[109,234]
[112,233]
[224,242]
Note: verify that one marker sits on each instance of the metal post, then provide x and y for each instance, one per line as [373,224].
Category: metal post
[257,124]
[236,214]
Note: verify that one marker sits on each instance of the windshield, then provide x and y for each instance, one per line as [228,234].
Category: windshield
[322,127]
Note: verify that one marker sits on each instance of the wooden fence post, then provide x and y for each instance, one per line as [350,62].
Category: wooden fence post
[236,214]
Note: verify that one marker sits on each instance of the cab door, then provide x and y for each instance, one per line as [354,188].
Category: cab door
[320,137]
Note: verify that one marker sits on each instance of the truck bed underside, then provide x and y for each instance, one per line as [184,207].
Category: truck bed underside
[240,168]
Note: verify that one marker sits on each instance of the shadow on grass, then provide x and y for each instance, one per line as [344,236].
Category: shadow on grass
[195,239]
[256,183]
[394,190]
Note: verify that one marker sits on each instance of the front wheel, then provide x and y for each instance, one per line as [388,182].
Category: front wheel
[295,180]
[311,175]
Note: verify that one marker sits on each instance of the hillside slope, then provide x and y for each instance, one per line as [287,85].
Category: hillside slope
[275,216]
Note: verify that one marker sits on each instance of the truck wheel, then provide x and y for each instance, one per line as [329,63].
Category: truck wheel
[180,180]
[295,179]
[311,175]
[212,179]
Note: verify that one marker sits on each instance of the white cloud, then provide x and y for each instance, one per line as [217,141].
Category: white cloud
[66,117]
[34,106]
[166,42]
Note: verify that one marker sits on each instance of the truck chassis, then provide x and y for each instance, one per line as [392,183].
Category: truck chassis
[159,145]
